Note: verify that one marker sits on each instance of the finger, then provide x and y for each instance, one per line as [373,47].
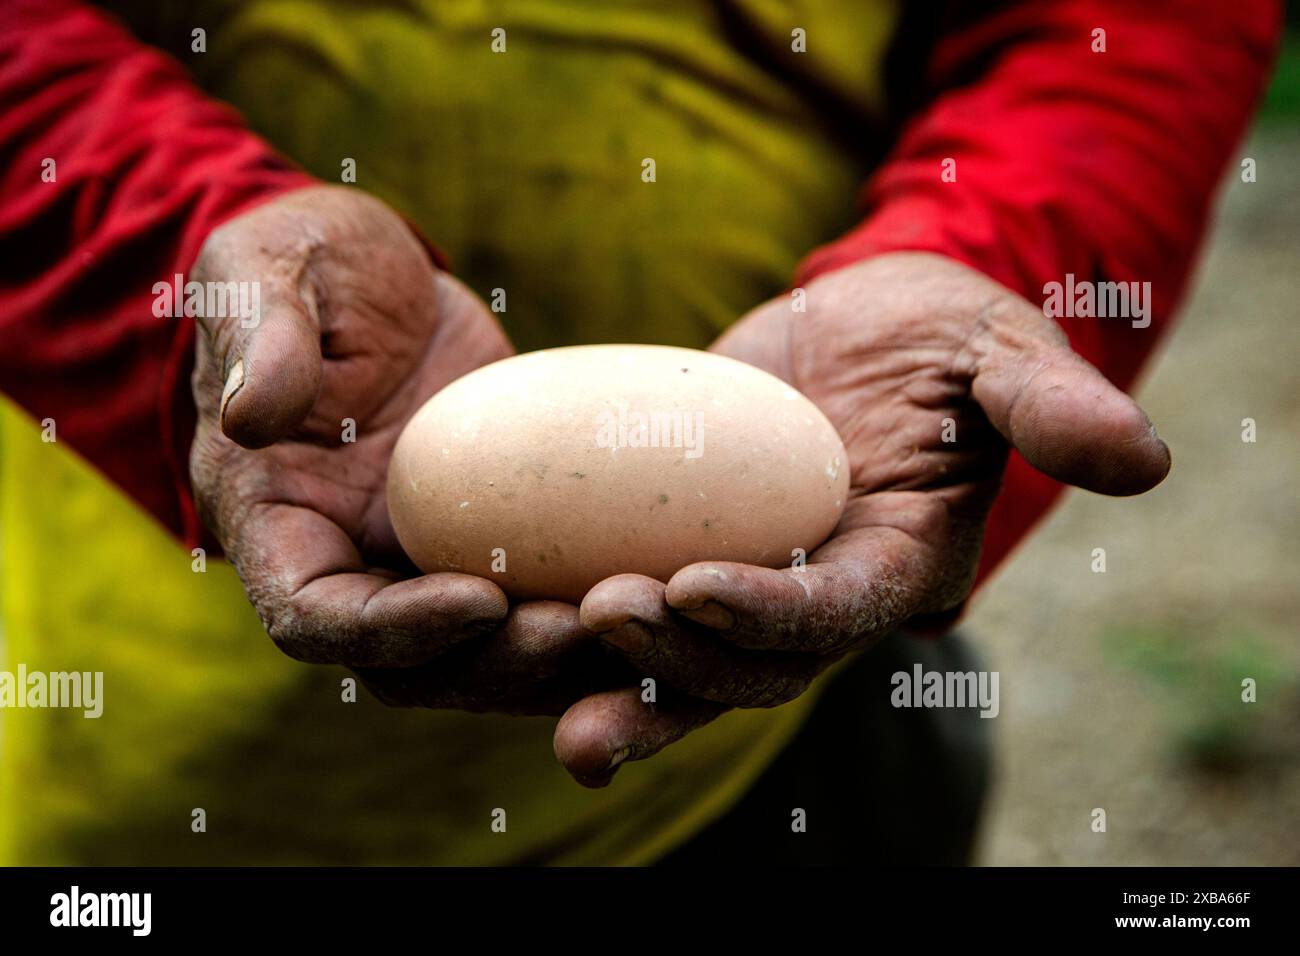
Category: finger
[822,609]
[600,733]
[321,604]
[540,661]
[629,612]
[269,363]
[893,556]
[1061,413]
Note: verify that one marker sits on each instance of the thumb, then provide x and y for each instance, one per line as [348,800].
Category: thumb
[1061,413]
[598,733]
[269,364]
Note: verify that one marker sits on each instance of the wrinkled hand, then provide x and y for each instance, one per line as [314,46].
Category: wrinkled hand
[888,349]
[356,323]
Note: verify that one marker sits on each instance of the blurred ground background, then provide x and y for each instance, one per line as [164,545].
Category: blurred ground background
[1123,690]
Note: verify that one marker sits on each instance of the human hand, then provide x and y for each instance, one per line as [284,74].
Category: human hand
[356,324]
[889,349]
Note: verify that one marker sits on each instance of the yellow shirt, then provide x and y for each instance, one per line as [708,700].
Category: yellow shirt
[529,167]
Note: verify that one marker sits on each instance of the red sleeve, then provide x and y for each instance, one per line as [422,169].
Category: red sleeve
[1069,161]
[145,166]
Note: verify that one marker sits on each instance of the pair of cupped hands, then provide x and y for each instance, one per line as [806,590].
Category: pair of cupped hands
[357,323]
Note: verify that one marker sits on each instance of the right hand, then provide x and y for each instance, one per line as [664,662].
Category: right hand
[357,323]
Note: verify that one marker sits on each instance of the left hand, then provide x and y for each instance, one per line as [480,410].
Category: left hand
[888,349]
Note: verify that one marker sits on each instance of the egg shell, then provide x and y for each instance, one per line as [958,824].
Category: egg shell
[550,471]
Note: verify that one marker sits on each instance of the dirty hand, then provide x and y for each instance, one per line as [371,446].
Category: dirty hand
[297,416]
[901,352]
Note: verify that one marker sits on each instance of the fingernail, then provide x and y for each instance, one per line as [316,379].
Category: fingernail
[631,638]
[1151,427]
[619,756]
[234,380]
[714,615]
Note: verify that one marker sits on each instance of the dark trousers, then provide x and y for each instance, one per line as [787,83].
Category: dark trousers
[879,784]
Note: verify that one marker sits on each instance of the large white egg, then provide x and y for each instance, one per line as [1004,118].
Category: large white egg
[550,471]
